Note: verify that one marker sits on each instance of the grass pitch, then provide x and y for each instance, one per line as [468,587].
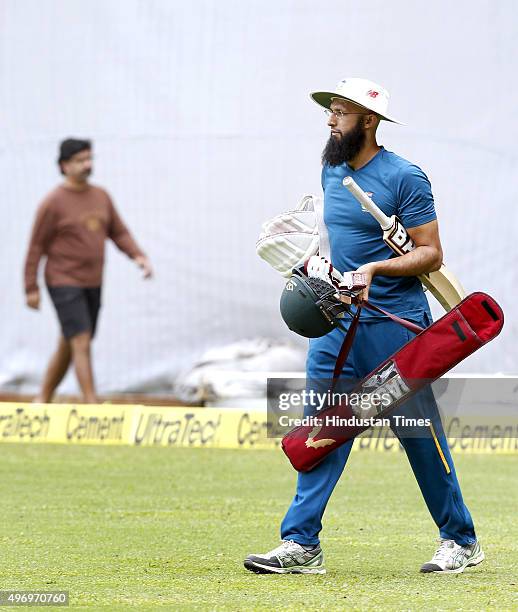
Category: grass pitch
[151,528]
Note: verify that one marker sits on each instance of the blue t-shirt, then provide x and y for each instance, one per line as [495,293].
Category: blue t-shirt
[356,238]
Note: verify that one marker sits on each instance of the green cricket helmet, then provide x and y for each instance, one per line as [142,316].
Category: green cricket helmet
[309,306]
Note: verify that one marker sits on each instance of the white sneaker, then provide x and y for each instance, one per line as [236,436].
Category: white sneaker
[288,558]
[450,558]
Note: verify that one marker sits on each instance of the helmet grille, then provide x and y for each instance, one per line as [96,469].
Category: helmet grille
[320,287]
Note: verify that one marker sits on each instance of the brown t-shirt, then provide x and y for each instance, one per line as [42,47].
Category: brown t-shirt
[70,229]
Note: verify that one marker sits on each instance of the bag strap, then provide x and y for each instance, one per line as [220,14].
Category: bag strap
[347,343]
[416,329]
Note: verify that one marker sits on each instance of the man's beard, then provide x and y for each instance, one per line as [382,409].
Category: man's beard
[344,148]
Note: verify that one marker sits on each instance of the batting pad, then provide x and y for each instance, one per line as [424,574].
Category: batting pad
[287,251]
[289,239]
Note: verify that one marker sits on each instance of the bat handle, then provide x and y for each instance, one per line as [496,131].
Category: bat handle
[367,203]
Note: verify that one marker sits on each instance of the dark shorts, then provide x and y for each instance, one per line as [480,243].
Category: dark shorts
[77,308]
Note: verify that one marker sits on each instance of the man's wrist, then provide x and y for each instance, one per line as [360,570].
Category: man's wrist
[374,267]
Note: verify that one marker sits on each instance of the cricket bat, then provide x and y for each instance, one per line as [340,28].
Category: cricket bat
[442,284]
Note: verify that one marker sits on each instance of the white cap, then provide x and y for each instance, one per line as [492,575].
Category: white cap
[366,93]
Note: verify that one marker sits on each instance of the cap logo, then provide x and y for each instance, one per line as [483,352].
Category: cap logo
[372,93]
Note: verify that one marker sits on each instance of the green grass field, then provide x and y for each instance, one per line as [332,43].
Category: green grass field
[150,528]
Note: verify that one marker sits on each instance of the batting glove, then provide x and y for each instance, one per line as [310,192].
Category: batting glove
[319,267]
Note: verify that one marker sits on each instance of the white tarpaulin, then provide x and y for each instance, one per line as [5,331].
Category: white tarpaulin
[203,128]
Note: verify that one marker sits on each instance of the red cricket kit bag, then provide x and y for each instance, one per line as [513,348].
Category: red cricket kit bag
[459,333]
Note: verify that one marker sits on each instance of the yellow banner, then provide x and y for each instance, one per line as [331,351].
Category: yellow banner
[138,425]
[183,427]
[63,423]
[383,440]
[209,427]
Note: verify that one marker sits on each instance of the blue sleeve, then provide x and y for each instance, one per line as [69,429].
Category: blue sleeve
[322,177]
[415,199]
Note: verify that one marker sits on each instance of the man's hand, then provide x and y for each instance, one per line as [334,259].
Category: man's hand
[351,286]
[370,272]
[32,299]
[144,264]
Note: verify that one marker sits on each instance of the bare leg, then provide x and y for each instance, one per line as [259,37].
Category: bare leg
[83,365]
[56,370]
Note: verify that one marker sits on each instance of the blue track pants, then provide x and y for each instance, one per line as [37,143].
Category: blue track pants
[429,456]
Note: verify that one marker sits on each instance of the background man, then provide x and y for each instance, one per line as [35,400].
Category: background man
[398,187]
[71,226]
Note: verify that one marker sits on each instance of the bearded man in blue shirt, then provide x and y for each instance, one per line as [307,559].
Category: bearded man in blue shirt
[400,188]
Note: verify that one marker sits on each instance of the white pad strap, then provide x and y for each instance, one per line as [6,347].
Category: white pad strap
[324,249]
